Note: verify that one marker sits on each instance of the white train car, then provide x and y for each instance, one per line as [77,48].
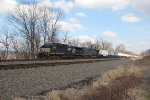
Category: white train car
[127,55]
[112,54]
[123,55]
[103,53]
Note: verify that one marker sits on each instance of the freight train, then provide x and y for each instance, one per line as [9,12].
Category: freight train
[63,51]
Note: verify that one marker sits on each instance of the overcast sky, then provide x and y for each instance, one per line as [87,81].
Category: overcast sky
[118,21]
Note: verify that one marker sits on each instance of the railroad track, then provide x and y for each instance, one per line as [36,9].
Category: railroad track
[47,63]
[19,60]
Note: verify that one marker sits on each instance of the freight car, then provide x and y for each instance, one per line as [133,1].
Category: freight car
[104,53]
[60,51]
[108,54]
[113,54]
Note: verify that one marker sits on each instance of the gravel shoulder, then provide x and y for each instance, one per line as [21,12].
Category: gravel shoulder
[28,82]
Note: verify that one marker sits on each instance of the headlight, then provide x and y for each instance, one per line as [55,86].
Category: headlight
[45,49]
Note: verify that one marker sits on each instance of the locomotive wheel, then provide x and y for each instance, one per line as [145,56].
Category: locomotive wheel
[57,57]
[50,58]
[53,57]
[43,58]
[80,57]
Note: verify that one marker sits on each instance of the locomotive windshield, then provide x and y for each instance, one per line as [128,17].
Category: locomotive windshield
[47,45]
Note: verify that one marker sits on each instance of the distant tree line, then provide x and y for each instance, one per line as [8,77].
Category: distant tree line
[36,24]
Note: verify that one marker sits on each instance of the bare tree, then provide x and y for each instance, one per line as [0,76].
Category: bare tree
[105,45]
[88,44]
[74,42]
[6,39]
[21,50]
[50,18]
[3,55]
[45,22]
[33,21]
[65,37]
[25,19]
[57,15]
[120,48]
[97,45]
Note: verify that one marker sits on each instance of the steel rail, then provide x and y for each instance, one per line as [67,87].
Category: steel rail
[48,64]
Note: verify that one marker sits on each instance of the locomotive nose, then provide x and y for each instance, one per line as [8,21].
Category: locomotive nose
[45,49]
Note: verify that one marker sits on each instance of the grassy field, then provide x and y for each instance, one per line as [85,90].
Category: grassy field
[122,83]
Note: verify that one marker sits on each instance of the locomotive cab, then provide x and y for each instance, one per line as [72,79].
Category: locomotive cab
[46,48]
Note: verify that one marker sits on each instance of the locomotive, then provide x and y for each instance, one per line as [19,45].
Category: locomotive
[62,51]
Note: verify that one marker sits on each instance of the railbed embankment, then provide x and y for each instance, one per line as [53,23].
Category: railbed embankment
[32,81]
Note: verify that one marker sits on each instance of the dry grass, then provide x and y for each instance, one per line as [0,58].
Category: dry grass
[139,93]
[113,85]
[143,62]
[122,71]
[117,84]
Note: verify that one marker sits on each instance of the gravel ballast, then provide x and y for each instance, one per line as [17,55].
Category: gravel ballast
[33,81]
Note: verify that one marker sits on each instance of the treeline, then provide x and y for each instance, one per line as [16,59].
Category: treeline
[35,24]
